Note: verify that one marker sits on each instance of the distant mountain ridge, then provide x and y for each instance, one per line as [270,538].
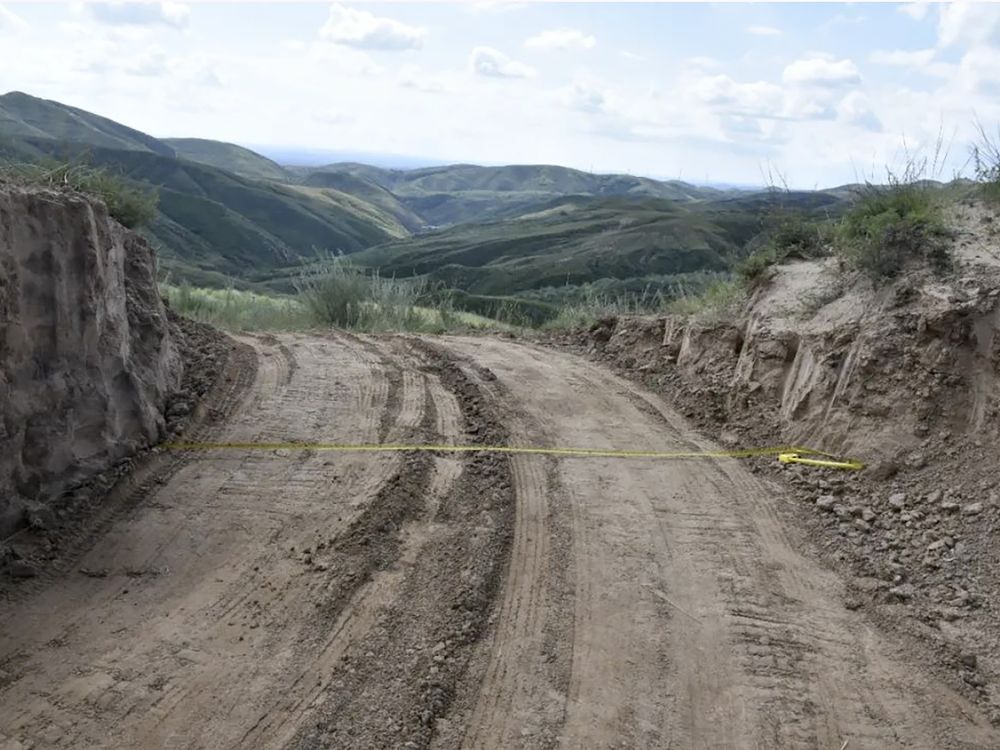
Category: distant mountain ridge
[226,212]
[221,214]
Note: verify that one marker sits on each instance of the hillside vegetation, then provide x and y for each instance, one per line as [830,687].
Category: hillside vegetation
[24,116]
[228,156]
[572,243]
[464,193]
[514,242]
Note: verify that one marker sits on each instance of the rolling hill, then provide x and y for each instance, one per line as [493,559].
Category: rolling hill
[571,242]
[462,193]
[25,116]
[212,222]
[373,193]
[226,212]
[228,156]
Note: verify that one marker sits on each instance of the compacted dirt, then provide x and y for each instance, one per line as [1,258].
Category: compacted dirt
[302,598]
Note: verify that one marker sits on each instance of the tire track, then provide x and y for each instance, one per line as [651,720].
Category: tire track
[225,537]
[398,680]
[696,623]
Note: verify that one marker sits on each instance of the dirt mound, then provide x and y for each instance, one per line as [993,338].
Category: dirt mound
[905,378]
[87,359]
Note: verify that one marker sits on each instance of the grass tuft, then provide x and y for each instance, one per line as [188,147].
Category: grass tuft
[986,163]
[592,307]
[236,310]
[719,298]
[900,223]
[127,203]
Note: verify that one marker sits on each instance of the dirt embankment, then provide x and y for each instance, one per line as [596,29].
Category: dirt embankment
[87,356]
[907,379]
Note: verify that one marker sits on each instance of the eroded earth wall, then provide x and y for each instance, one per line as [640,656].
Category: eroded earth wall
[86,354]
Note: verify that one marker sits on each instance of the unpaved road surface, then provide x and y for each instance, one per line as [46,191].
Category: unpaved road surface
[308,599]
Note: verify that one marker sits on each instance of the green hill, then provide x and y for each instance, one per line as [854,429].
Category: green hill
[532,230]
[462,193]
[210,220]
[369,191]
[228,156]
[27,116]
[572,242]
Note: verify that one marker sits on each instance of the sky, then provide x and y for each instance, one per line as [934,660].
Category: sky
[813,95]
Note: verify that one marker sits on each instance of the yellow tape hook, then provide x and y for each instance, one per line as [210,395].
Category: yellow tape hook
[797,458]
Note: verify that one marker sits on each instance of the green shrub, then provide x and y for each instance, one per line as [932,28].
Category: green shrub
[986,163]
[755,268]
[127,203]
[338,294]
[797,236]
[894,225]
[335,294]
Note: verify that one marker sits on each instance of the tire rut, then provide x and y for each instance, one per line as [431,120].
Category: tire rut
[396,682]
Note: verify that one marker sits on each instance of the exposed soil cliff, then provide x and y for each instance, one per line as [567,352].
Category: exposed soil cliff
[87,359]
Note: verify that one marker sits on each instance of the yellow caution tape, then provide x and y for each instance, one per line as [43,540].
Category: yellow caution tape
[785,454]
[796,458]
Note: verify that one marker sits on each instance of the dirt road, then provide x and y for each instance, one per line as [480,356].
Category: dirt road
[305,599]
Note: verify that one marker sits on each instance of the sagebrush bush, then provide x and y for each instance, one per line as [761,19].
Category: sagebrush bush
[334,294]
[337,294]
[128,203]
[892,226]
[755,269]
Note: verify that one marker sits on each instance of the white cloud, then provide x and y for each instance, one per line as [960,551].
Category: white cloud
[917,11]
[561,39]
[821,72]
[10,20]
[915,58]
[855,110]
[970,23]
[414,77]
[979,72]
[764,31]
[149,64]
[140,13]
[584,96]
[706,63]
[331,116]
[723,93]
[364,30]
[493,6]
[486,61]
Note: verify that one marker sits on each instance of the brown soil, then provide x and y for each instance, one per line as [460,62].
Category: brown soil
[87,356]
[307,599]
